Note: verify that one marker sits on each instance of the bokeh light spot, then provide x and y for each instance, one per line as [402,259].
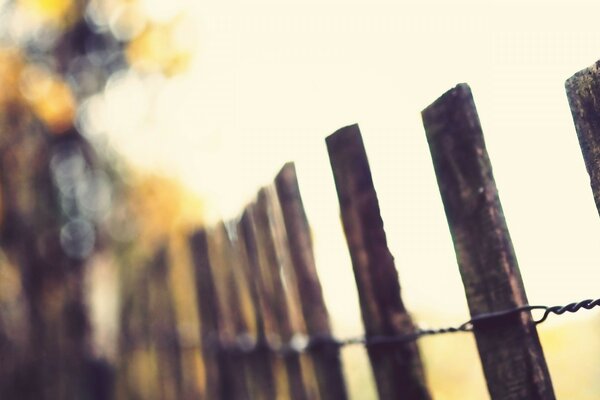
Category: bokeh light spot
[77,238]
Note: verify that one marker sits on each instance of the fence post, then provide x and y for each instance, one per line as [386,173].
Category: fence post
[163,327]
[397,368]
[261,361]
[510,351]
[326,358]
[217,386]
[583,92]
[277,300]
[136,341]
[232,303]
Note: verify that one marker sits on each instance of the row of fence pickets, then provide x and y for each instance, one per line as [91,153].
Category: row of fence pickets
[256,280]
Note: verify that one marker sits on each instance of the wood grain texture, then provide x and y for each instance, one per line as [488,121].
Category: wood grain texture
[510,351]
[326,358]
[583,92]
[397,368]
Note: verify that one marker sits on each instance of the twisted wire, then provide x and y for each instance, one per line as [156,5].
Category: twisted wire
[302,344]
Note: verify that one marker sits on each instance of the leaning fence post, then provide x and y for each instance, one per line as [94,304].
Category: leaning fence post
[273,284]
[214,363]
[326,357]
[583,92]
[397,368]
[234,314]
[261,363]
[163,327]
[510,351]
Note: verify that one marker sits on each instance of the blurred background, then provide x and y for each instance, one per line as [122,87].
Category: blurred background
[125,124]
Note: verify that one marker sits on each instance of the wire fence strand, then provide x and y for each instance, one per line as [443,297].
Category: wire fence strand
[245,343]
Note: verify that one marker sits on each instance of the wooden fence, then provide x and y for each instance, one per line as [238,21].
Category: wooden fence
[268,253]
[260,300]
[264,328]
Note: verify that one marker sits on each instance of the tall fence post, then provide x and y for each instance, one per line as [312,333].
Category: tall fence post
[583,92]
[397,368]
[510,351]
[326,357]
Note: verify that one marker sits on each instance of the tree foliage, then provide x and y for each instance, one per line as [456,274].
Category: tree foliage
[62,202]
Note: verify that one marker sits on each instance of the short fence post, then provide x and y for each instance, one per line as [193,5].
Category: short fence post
[583,92]
[326,357]
[217,386]
[163,327]
[510,351]
[136,340]
[234,316]
[276,311]
[261,361]
[397,368]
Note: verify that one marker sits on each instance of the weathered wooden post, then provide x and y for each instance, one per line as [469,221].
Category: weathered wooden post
[583,92]
[326,357]
[510,351]
[397,368]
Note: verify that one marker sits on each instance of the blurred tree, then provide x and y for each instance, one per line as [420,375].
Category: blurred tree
[57,194]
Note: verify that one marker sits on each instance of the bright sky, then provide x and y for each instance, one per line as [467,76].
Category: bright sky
[273,78]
